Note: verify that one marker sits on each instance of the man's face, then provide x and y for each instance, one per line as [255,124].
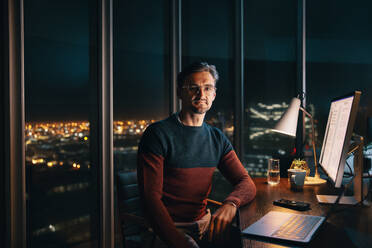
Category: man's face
[198,93]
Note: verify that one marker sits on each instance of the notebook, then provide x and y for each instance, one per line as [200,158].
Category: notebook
[286,226]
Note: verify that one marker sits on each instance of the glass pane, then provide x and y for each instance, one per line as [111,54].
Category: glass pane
[61,176]
[270,80]
[141,74]
[141,82]
[208,35]
[338,61]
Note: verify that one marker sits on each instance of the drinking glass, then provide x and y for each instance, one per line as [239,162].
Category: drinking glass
[273,171]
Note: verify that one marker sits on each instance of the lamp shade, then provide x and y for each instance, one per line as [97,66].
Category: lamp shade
[288,122]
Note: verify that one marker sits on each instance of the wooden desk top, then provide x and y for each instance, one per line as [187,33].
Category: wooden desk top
[347,226]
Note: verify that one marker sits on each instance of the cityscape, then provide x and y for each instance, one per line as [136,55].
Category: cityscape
[66,144]
[61,178]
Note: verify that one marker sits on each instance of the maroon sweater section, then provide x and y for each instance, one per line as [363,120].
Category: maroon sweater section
[179,194]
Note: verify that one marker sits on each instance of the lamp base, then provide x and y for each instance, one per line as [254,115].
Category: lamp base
[314,181]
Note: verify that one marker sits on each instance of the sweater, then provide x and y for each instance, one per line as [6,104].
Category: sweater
[175,169]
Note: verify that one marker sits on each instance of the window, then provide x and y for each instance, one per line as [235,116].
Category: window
[141,74]
[338,61]
[61,172]
[270,80]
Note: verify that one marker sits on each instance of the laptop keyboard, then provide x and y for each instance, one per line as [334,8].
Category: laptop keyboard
[297,227]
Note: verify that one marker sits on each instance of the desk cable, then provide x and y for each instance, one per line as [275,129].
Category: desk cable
[351,174]
[335,204]
[369,186]
[365,175]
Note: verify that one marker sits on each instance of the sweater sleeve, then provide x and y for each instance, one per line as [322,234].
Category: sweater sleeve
[244,188]
[150,180]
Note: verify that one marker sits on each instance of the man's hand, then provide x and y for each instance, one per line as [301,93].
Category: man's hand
[220,224]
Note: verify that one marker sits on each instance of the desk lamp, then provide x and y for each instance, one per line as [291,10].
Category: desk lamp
[288,125]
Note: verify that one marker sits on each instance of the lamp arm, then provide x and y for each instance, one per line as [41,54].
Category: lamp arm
[313,140]
[357,146]
[307,113]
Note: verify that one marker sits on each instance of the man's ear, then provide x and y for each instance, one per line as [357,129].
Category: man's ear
[214,96]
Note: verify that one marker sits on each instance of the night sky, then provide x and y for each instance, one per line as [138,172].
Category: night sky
[57,53]
[56,59]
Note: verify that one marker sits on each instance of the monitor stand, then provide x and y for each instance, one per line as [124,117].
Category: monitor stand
[358,179]
[330,199]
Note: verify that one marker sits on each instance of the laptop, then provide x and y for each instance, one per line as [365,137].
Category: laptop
[286,226]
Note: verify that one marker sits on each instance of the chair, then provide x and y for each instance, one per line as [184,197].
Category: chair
[135,230]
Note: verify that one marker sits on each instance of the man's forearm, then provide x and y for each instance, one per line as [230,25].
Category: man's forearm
[244,187]
[243,193]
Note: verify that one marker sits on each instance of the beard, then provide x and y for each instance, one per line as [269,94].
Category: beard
[199,108]
[199,111]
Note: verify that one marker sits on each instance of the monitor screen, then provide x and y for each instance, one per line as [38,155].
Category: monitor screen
[337,136]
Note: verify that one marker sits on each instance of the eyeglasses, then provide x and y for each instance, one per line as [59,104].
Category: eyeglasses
[195,89]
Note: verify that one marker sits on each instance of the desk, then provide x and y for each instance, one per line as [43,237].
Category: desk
[348,226]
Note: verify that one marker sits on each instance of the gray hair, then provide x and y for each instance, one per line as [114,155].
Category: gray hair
[183,76]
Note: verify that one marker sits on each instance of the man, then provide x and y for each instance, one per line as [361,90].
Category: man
[176,160]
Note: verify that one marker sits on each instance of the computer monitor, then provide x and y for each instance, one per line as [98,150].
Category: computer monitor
[337,137]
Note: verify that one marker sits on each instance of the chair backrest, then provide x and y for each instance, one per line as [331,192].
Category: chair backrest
[136,232]
[129,203]
[129,197]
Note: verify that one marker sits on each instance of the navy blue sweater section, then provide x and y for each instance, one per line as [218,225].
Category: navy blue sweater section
[185,146]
